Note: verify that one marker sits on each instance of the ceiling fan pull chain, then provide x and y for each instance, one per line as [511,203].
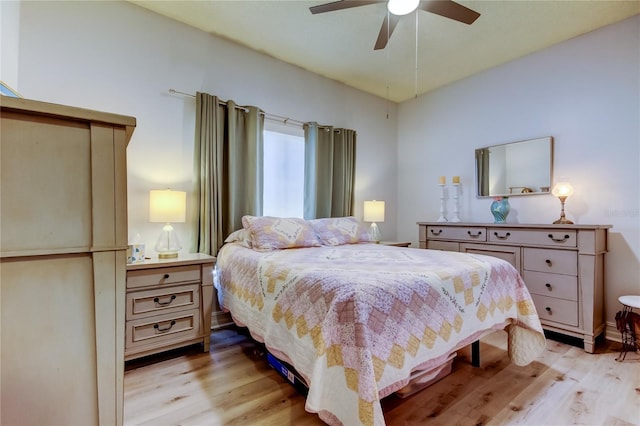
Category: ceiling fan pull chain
[415,82]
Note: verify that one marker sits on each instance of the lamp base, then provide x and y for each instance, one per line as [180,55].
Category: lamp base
[167,255]
[374,232]
[168,244]
[563,221]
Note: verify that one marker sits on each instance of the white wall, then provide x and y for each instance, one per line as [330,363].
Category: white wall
[118,57]
[586,94]
[9,29]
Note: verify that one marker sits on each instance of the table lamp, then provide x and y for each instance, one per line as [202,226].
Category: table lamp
[167,206]
[562,190]
[374,212]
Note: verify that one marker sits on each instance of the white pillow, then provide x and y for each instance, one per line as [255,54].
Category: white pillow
[272,233]
[334,231]
[241,236]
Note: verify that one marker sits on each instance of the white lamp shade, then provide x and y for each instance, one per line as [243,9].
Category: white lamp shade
[562,189]
[402,7]
[374,211]
[167,206]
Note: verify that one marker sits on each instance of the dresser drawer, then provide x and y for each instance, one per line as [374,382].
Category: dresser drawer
[552,285]
[508,253]
[162,276]
[443,245]
[543,237]
[165,329]
[556,310]
[162,300]
[457,233]
[553,261]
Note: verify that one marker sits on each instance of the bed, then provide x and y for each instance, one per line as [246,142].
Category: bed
[356,319]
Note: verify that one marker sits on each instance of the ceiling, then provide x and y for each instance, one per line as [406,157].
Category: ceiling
[339,45]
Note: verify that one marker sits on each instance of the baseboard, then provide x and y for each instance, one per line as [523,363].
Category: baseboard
[611,333]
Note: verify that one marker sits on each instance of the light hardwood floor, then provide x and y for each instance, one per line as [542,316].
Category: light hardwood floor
[233,385]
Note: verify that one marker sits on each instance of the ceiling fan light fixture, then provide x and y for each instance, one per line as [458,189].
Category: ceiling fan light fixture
[402,7]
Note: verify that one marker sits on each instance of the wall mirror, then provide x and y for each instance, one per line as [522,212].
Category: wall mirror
[516,168]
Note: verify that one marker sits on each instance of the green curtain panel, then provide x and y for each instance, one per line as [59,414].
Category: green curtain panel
[228,157]
[329,171]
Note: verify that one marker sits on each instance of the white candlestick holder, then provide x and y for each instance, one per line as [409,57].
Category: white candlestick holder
[456,207]
[443,200]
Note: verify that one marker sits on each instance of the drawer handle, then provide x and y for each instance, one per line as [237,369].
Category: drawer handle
[474,235]
[548,286]
[548,262]
[559,240]
[168,302]
[548,309]
[502,237]
[166,276]
[436,233]
[164,330]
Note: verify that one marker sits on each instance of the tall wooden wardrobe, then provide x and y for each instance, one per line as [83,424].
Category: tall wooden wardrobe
[63,239]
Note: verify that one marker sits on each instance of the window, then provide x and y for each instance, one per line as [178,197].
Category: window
[283,192]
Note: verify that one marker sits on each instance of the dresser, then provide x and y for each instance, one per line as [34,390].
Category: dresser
[63,241]
[168,304]
[562,266]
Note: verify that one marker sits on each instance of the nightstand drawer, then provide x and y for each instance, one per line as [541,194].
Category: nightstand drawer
[552,285]
[164,329]
[556,310]
[162,300]
[456,233]
[553,261]
[533,237]
[162,276]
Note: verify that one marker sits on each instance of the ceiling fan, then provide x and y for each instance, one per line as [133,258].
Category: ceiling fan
[397,8]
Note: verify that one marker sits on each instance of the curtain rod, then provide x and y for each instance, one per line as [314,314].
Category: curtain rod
[273,117]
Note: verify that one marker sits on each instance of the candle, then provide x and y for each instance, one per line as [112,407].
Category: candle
[456,179]
[443,180]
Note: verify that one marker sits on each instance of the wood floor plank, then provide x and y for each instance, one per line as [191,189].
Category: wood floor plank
[233,385]
[598,393]
[541,400]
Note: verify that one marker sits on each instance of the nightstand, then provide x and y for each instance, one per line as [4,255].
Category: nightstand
[396,243]
[168,304]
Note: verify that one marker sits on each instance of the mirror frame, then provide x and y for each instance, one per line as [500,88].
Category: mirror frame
[524,191]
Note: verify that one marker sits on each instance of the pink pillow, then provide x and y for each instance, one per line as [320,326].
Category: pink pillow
[272,233]
[334,231]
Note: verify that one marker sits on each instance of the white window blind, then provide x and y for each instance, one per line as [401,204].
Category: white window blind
[283,192]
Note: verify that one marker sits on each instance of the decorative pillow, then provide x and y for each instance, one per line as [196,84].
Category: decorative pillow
[271,233]
[334,231]
[241,236]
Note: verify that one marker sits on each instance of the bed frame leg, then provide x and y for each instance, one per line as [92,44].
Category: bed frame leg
[475,353]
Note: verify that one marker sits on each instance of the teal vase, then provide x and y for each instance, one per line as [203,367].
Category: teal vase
[500,209]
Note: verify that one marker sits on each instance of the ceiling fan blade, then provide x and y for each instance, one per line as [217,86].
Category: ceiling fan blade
[388,25]
[341,4]
[450,9]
